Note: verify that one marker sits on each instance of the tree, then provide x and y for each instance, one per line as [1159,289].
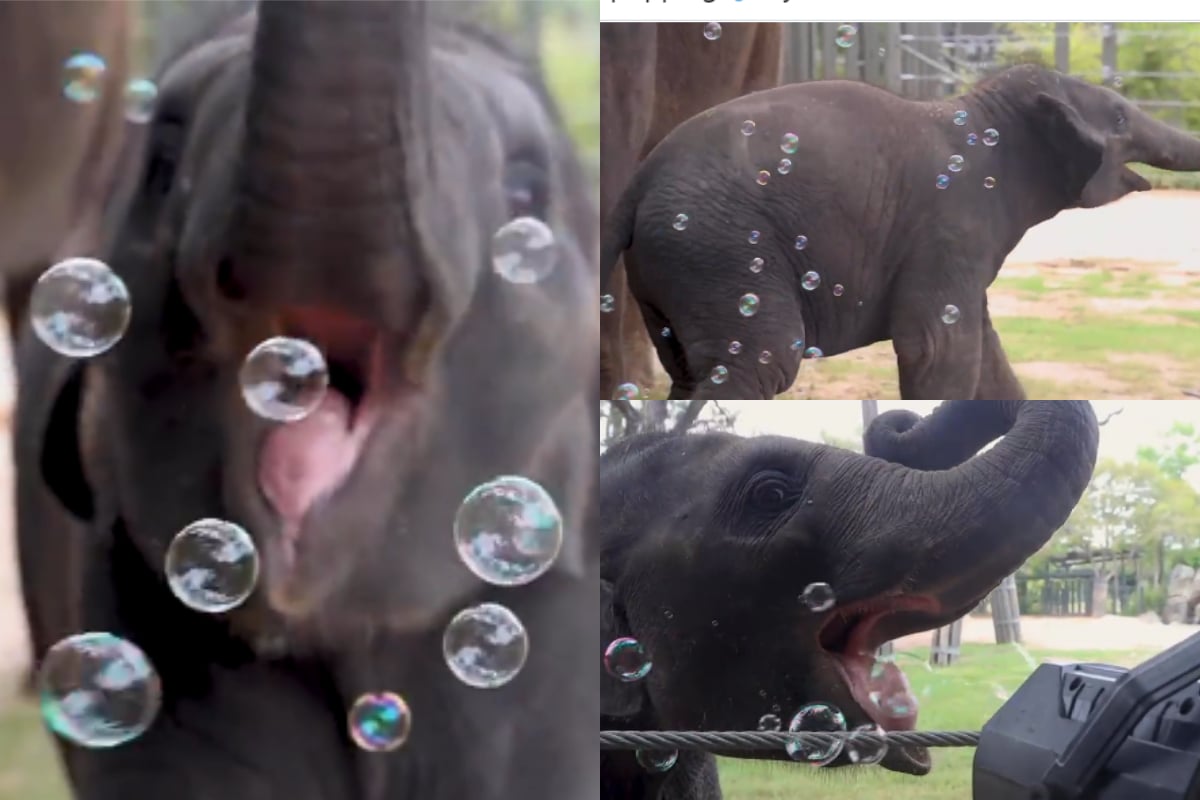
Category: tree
[621,418]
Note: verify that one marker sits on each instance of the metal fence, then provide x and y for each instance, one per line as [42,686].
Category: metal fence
[926,60]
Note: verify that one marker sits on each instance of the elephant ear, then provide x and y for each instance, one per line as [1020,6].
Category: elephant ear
[619,700]
[60,455]
[1095,175]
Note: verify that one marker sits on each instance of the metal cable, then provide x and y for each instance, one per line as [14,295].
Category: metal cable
[723,741]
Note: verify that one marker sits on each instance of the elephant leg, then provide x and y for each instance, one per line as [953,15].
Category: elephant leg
[997,381]
[612,363]
[936,360]
[635,344]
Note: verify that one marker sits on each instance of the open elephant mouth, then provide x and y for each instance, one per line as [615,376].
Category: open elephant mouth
[303,467]
[852,635]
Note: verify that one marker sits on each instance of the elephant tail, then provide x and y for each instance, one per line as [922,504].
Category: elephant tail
[618,230]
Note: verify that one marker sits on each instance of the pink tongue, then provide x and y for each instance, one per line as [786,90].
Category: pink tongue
[302,462]
[882,689]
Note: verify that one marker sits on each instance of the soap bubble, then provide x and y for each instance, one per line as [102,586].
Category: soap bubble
[950,314]
[816,718]
[990,137]
[212,566]
[712,31]
[838,290]
[657,760]
[769,722]
[79,307]
[284,379]
[628,391]
[960,117]
[719,375]
[524,250]
[764,357]
[785,166]
[748,304]
[665,333]
[801,242]
[797,344]
[989,182]
[380,722]
[681,221]
[485,646]
[98,690]
[956,163]
[735,347]
[972,139]
[748,127]
[763,177]
[607,303]
[845,36]
[942,181]
[140,97]
[754,237]
[756,265]
[818,596]
[83,77]
[790,143]
[811,280]
[626,660]
[814,352]
[508,531]
[866,745]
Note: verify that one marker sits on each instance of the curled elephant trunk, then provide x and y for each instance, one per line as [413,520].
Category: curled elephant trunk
[966,523]
[336,146]
[1163,146]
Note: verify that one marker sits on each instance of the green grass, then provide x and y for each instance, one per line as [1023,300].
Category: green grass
[960,697]
[1162,179]
[1091,339]
[29,767]
[574,80]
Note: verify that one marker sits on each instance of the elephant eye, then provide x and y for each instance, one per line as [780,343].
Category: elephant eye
[770,492]
[1122,120]
[525,190]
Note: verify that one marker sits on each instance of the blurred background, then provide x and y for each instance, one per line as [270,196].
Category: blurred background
[560,36]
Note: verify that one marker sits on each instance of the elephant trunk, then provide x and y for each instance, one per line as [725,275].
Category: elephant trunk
[969,522]
[1163,146]
[331,176]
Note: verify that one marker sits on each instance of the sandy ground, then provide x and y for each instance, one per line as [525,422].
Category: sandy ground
[1072,633]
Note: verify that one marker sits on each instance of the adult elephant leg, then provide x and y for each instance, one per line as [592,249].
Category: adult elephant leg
[612,356]
[937,360]
[997,381]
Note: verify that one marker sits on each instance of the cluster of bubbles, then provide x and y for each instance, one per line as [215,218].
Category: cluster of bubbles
[866,744]
[991,137]
[83,82]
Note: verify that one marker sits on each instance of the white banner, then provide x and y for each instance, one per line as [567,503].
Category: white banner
[885,11]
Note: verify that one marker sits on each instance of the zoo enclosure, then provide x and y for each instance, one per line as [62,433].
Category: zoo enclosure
[1156,65]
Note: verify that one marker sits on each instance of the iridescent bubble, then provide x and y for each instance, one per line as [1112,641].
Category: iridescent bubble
[816,718]
[818,597]
[284,379]
[79,308]
[712,31]
[801,242]
[942,181]
[735,347]
[485,646]
[956,163]
[814,352]
[665,333]
[882,52]
[785,166]
[212,566]
[990,137]
[748,127]
[950,314]
[972,139]
[681,221]
[83,77]
[811,280]
[989,182]
[769,722]
[657,760]
[626,659]
[838,290]
[753,237]
[627,391]
[797,344]
[508,531]
[764,176]
[98,690]
[140,97]
[789,143]
[845,36]
[607,303]
[765,357]
[379,722]
[960,117]
[756,265]
[524,250]
[719,375]
[748,304]
[866,745]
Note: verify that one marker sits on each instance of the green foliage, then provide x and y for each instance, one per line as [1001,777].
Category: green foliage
[1141,48]
[1154,598]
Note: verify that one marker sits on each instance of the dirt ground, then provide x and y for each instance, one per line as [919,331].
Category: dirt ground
[1072,633]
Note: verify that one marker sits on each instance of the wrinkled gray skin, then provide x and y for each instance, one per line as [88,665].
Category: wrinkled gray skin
[653,77]
[336,173]
[708,541]
[56,156]
[862,189]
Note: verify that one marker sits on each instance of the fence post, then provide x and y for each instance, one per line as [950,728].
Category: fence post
[1108,54]
[828,50]
[892,58]
[1006,612]
[1062,47]
[944,649]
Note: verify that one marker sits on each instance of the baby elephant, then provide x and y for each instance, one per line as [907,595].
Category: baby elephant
[820,217]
